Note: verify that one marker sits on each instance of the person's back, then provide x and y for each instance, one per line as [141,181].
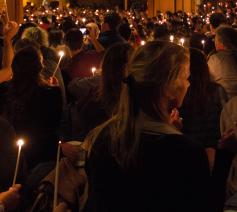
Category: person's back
[138,160]
[33,106]
[82,62]
[223,64]
[223,69]
[109,34]
[173,176]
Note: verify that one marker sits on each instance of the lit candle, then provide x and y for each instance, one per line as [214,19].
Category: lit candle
[56,177]
[203,44]
[143,42]
[20,142]
[171,38]
[83,20]
[182,41]
[93,70]
[61,54]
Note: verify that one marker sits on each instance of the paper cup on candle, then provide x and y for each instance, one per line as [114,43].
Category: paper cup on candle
[20,143]
[80,162]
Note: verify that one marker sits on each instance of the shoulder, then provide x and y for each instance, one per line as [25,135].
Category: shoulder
[172,140]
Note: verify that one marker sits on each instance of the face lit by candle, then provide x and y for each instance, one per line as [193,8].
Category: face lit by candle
[171,38]
[143,42]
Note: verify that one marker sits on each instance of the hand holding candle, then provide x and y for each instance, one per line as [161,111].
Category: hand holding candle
[20,142]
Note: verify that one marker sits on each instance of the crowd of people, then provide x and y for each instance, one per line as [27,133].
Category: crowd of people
[145,109]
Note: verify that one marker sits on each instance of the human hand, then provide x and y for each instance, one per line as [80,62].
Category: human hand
[175,119]
[62,207]
[228,141]
[10,199]
[92,34]
[10,29]
[53,81]
[3,18]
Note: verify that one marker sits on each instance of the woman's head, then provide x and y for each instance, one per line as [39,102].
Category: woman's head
[200,82]
[160,71]
[27,65]
[113,71]
[36,34]
[55,37]
[226,38]
[157,83]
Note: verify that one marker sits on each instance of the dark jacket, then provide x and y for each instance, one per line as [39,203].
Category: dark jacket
[173,177]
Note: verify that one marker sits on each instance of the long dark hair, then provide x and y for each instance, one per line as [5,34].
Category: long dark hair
[199,93]
[154,68]
[113,71]
[26,67]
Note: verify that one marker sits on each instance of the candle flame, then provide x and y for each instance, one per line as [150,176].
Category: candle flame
[143,42]
[171,38]
[61,53]
[93,69]
[20,142]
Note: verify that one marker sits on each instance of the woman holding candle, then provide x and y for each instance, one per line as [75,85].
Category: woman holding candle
[33,107]
[138,161]
[98,96]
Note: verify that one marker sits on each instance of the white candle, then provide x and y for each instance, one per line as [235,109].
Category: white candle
[61,54]
[20,142]
[93,70]
[171,38]
[182,41]
[56,177]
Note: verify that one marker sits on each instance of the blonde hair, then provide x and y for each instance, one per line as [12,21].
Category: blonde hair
[36,34]
[154,68]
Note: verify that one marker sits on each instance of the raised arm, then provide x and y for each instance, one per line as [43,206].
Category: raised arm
[10,30]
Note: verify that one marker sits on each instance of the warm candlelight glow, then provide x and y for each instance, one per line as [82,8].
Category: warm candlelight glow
[143,42]
[61,53]
[172,38]
[93,70]
[20,142]
[182,41]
